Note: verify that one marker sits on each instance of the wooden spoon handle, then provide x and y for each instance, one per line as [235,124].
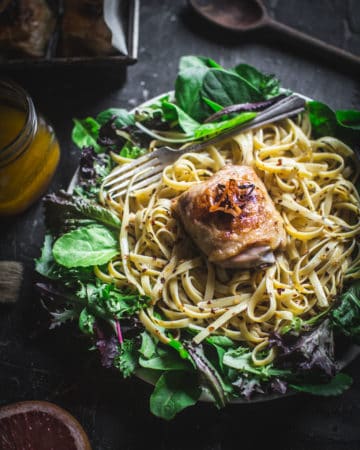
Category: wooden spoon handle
[329,52]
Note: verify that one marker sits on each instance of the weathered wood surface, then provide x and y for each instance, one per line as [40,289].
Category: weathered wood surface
[38,364]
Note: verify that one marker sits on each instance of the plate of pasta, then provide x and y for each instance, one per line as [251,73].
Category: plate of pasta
[232,277]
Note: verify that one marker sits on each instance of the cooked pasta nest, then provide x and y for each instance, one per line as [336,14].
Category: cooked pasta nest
[312,184]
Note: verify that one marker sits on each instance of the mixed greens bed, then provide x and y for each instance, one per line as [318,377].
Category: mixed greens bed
[82,235]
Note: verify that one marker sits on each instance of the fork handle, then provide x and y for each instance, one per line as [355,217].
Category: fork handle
[284,108]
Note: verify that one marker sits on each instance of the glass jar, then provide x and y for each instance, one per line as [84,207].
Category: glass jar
[29,150]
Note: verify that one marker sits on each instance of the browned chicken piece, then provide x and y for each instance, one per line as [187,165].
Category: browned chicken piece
[26,27]
[232,218]
[84,31]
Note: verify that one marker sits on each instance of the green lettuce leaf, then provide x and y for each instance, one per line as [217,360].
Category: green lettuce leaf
[126,359]
[212,129]
[108,301]
[227,88]
[348,118]
[122,117]
[346,316]
[240,359]
[148,346]
[188,62]
[165,359]
[203,86]
[174,391]
[86,321]
[343,124]
[336,386]
[85,133]
[130,150]
[173,113]
[268,85]
[188,94]
[86,246]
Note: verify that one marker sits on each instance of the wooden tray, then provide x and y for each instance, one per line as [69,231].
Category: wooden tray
[130,10]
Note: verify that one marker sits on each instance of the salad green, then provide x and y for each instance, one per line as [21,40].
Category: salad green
[86,246]
[82,235]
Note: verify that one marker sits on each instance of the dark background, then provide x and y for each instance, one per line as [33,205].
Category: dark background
[55,365]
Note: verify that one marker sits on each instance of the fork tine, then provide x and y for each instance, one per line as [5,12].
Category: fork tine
[127,167]
[150,170]
[144,183]
[126,176]
[153,163]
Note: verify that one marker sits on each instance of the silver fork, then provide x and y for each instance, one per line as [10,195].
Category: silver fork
[148,168]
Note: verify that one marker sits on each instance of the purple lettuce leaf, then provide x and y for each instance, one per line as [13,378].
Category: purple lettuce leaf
[311,351]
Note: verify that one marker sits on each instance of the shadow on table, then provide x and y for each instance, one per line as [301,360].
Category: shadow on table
[59,90]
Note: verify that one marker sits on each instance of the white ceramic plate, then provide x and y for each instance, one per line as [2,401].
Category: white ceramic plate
[352,352]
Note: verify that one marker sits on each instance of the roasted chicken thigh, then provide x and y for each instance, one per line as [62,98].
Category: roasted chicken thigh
[232,218]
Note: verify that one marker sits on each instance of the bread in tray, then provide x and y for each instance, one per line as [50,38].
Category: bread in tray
[26,27]
[84,31]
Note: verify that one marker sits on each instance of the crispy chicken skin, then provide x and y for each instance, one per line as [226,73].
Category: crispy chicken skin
[232,218]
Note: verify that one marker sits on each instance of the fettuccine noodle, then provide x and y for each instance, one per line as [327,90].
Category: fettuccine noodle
[311,183]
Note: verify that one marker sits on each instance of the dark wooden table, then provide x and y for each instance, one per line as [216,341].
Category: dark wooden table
[55,365]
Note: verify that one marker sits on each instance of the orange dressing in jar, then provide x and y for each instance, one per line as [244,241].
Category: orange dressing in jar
[29,150]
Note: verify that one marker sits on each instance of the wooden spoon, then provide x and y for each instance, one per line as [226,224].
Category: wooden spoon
[247,15]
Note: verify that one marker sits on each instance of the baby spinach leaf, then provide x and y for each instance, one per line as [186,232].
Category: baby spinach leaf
[174,391]
[322,119]
[86,246]
[214,128]
[173,113]
[187,62]
[268,85]
[179,347]
[85,133]
[221,345]
[122,117]
[203,86]
[344,124]
[165,359]
[346,316]
[188,94]
[148,346]
[336,386]
[227,88]
[213,105]
[348,118]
